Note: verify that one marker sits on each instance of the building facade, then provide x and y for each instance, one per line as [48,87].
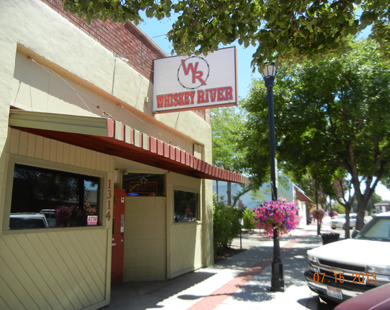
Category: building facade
[95,188]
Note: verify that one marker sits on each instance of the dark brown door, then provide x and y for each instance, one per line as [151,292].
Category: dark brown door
[118,236]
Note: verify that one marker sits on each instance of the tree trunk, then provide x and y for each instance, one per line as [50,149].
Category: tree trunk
[361,209]
[347,211]
[361,204]
[363,198]
[229,193]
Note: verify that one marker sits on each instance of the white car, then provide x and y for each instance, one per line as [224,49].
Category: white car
[339,222]
[27,221]
[50,216]
[343,269]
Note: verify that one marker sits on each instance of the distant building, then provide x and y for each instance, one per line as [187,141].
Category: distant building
[382,207]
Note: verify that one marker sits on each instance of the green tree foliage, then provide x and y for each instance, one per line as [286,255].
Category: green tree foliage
[226,126]
[338,208]
[334,114]
[226,221]
[248,218]
[282,30]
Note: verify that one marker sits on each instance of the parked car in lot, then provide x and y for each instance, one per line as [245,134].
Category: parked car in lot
[339,221]
[27,221]
[344,269]
[375,299]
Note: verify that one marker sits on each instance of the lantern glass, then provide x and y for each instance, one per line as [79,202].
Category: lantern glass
[269,71]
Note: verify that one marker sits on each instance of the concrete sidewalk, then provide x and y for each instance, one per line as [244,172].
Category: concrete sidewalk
[240,282]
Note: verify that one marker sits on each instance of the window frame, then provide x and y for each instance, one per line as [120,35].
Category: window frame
[198,207]
[41,163]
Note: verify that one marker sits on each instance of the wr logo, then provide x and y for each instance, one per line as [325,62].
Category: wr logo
[193,72]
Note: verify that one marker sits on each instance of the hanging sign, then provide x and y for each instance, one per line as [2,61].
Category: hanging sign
[195,82]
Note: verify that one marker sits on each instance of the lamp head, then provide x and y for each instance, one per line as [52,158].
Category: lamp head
[269,71]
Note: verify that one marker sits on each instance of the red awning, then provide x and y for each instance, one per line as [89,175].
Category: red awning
[114,138]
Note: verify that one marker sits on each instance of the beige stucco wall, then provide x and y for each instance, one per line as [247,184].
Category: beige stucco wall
[70,73]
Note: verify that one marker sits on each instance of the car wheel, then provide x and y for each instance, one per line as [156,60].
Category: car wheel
[333,227]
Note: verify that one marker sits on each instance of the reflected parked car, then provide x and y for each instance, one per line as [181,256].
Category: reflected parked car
[50,216]
[27,221]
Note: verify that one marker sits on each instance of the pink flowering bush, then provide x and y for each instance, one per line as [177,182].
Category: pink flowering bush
[280,215]
[71,216]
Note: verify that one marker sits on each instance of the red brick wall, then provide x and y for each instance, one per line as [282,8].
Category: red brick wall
[122,40]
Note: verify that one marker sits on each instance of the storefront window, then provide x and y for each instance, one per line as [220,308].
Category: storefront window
[45,198]
[142,184]
[186,206]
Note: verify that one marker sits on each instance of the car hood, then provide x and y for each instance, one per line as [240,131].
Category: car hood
[354,251]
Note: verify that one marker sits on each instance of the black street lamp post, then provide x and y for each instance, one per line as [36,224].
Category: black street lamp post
[277,281]
[318,221]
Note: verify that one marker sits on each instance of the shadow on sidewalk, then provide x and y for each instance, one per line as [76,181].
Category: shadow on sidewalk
[254,293]
[141,295]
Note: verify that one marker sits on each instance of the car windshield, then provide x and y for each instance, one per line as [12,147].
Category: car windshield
[377,229]
[341,216]
[24,223]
